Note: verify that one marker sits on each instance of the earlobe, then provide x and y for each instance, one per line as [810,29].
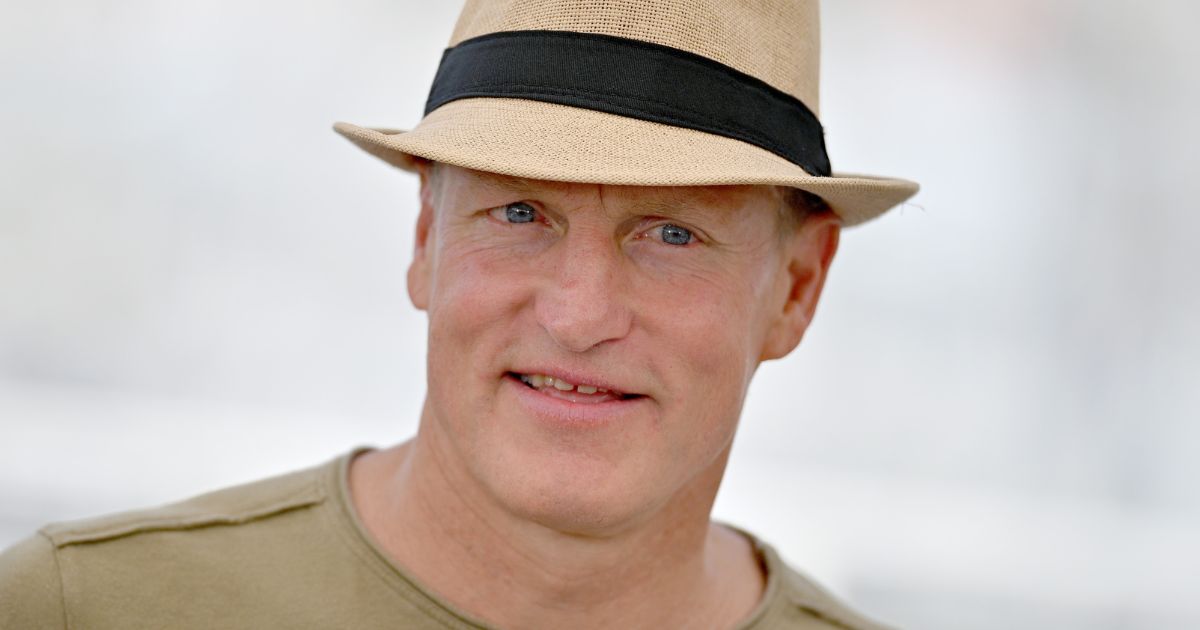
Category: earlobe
[419,268]
[809,255]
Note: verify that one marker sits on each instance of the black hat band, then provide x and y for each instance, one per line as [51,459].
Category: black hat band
[635,79]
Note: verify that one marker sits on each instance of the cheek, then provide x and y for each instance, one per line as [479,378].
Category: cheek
[474,287]
[705,332]
[474,311]
[710,319]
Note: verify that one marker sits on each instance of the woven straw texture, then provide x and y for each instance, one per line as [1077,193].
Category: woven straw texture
[777,41]
[773,40]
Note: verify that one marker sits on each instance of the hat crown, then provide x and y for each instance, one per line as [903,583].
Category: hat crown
[775,41]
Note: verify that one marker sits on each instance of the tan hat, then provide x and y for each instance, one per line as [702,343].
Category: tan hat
[641,92]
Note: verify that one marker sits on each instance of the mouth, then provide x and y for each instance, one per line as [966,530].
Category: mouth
[585,393]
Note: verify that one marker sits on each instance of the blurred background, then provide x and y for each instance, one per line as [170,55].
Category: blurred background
[992,423]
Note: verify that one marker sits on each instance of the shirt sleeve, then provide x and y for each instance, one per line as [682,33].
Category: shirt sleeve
[30,586]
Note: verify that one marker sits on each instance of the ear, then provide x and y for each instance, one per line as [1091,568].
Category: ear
[807,256]
[420,269]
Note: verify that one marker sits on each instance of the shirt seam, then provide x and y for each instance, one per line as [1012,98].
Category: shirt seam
[62,595]
[824,616]
[297,501]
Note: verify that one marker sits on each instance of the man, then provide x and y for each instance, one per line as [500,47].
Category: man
[625,207]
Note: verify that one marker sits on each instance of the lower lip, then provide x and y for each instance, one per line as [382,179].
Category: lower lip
[564,412]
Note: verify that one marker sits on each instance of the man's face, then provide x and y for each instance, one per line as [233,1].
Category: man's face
[667,297]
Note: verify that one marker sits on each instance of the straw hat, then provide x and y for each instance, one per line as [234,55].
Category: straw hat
[641,92]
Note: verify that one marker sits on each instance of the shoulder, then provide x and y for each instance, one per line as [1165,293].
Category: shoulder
[793,600]
[102,568]
[231,506]
[810,597]
[30,587]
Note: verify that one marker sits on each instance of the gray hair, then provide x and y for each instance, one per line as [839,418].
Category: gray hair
[796,207]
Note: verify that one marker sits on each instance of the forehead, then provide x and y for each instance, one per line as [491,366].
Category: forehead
[636,198]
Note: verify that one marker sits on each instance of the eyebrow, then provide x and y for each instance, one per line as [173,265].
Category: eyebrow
[656,206]
[508,183]
[661,204]
[680,206]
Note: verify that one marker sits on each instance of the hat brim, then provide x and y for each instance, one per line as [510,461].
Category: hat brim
[537,140]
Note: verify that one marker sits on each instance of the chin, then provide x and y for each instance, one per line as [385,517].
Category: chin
[589,500]
[576,513]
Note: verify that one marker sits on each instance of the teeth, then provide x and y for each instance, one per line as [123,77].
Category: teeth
[538,381]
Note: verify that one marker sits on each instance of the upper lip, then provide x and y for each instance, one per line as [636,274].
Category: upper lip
[579,378]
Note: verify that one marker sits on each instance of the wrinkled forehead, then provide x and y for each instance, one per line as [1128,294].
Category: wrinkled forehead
[718,198]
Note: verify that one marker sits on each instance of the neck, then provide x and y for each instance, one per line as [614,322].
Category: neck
[672,568]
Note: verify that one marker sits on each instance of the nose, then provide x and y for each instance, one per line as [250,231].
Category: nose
[582,303]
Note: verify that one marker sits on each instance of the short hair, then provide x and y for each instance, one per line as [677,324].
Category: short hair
[433,167]
[796,207]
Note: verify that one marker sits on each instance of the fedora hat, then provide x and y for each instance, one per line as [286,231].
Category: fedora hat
[636,92]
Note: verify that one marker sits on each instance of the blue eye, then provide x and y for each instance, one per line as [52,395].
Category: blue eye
[519,212]
[675,235]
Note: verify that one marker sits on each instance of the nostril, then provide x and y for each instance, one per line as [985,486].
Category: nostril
[577,323]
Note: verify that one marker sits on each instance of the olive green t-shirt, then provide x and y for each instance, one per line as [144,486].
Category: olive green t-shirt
[284,552]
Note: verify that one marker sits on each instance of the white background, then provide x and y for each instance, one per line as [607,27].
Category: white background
[992,424]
